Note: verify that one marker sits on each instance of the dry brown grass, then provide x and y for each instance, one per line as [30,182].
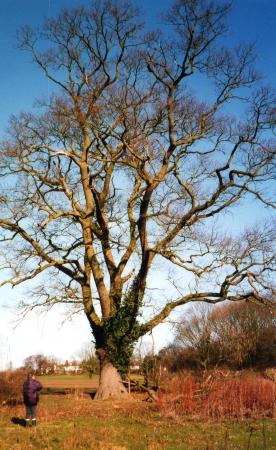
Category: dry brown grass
[217,396]
[77,422]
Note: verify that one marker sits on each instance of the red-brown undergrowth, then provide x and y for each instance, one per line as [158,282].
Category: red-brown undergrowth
[11,382]
[218,396]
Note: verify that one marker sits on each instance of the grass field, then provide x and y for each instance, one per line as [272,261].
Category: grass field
[76,422]
[69,381]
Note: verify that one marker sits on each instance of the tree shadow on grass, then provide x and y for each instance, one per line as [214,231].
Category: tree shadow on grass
[18,421]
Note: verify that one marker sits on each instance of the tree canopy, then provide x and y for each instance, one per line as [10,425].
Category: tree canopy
[126,166]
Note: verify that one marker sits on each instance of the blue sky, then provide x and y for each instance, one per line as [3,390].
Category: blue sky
[21,82]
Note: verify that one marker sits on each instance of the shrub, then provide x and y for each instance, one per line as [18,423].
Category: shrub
[270,373]
[218,396]
[11,382]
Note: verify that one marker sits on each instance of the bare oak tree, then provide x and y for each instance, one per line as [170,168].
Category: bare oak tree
[124,169]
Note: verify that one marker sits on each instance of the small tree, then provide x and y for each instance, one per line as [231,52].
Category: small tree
[88,360]
[151,370]
[196,333]
[124,169]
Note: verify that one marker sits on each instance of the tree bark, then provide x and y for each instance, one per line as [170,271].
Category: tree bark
[111,384]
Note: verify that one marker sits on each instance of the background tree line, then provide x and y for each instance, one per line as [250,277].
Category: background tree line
[236,336]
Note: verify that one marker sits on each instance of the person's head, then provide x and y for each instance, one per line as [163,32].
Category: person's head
[30,375]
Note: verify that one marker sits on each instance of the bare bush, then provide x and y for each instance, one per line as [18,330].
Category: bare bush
[218,396]
[11,386]
[270,373]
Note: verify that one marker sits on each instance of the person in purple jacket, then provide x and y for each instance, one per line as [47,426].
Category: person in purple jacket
[31,387]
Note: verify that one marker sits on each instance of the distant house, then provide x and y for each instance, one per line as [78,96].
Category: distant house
[72,369]
[134,368]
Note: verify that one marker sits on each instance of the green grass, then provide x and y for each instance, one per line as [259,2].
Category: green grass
[71,422]
[75,381]
[69,381]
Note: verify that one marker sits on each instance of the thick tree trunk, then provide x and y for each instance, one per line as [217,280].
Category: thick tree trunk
[111,384]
